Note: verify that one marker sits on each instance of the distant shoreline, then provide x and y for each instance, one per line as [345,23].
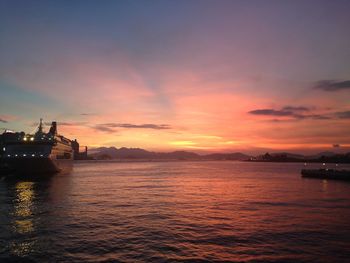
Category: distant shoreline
[132,154]
[125,160]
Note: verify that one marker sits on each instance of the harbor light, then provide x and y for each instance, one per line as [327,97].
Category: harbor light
[25,138]
[32,138]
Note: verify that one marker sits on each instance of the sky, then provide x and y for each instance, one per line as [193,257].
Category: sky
[203,76]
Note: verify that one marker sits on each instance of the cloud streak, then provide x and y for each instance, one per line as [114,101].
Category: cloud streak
[7,118]
[107,127]
[296,108]
[87,114]
[111,127]
[144,126]
[343,114]
[332,85]
[294,112]
[104,128]
[298,113]
[271,112]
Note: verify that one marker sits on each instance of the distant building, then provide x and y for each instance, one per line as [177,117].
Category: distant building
[76,150]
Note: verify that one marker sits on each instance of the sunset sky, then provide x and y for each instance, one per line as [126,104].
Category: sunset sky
[204,76]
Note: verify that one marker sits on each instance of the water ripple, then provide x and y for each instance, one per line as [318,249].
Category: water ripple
[175,212]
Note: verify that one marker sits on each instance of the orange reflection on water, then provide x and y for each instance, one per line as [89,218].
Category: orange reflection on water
[24,198]
[23,217]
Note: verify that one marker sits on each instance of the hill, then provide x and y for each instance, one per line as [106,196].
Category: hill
[138,153]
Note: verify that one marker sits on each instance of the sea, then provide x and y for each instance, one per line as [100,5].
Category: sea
[176,211]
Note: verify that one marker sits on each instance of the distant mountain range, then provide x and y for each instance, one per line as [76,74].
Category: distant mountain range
[137,153]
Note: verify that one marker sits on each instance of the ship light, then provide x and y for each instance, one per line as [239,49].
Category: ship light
[25,138]
[4,149]
[41,155]
[9,155]
[32,138]
[24,155]
[33,154]
[16,155]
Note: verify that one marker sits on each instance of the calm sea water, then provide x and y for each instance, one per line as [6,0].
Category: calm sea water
[176,212]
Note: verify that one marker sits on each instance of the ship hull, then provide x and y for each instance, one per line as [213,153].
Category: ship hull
[38,167]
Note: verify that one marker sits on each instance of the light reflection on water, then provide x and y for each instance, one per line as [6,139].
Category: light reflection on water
[23,218]
[176,212]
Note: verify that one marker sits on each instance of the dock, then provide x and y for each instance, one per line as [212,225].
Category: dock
[329,174]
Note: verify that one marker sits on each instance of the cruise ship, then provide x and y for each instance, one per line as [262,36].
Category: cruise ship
[38,154]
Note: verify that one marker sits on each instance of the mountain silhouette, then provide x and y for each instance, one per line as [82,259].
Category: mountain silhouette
[138,153]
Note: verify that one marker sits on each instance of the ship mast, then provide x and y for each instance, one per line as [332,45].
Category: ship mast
[40,129]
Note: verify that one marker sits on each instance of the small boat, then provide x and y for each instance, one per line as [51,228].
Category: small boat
[330,174]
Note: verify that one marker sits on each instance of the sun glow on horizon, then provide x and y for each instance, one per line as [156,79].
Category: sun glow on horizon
[247,79]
